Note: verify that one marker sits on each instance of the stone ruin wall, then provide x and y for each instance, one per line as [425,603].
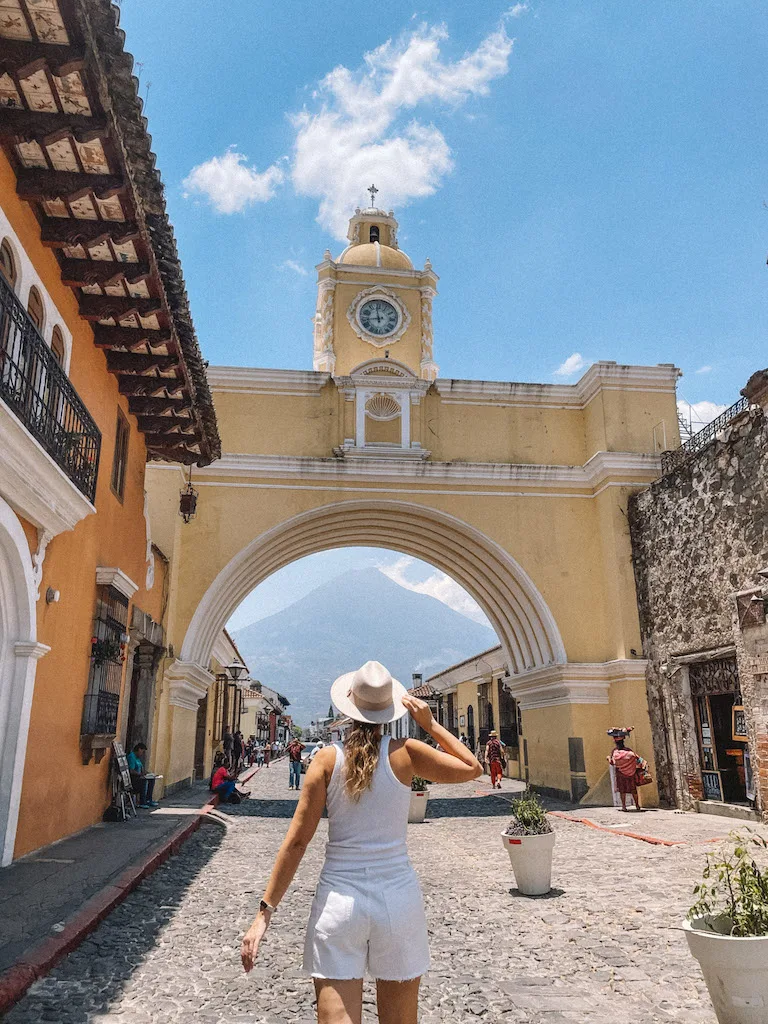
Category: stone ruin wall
[699,535]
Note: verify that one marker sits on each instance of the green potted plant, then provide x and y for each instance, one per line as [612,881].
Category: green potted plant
[419,798]
[727,929]
[529,841]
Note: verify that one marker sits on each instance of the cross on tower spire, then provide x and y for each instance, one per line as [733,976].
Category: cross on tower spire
[373,190]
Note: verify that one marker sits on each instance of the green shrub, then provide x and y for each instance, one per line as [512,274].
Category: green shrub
[530,818]
[418,785]
[732,898]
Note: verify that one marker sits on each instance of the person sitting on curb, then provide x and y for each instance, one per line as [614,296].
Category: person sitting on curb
[142,784]
[224,785]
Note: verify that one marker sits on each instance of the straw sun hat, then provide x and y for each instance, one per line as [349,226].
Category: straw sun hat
[369,694]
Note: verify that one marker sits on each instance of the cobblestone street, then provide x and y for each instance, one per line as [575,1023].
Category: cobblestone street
[606,937]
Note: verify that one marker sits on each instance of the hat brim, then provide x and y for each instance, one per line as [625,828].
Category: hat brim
[346,706]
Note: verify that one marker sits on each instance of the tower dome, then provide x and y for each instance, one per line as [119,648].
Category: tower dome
[373,241]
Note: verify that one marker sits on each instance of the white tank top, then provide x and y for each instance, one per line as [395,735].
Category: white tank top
[370,832]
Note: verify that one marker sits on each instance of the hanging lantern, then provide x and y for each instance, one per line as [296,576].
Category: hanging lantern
[188,500]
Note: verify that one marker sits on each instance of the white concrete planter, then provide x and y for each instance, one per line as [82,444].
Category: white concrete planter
[418,807]
[531,859]
[735,970]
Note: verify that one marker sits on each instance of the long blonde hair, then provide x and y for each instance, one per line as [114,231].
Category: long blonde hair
[361,751]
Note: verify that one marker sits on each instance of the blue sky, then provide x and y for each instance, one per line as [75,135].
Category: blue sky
[598,191]
[587,177]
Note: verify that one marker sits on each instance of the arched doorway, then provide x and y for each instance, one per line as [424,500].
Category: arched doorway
[19,653]
[507,595]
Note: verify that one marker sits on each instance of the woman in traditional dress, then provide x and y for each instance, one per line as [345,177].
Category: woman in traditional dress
[368,913]
[626,764]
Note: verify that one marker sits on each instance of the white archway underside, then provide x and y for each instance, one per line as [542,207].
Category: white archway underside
[514,606]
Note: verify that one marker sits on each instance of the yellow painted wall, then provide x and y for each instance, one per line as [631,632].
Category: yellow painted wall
[352,350]
[629,707]
[61,795]
[546,731]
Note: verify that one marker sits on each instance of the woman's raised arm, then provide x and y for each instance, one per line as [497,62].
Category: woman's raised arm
[454,763]
[303,826]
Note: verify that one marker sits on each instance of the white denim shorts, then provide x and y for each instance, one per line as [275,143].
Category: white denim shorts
[367,920]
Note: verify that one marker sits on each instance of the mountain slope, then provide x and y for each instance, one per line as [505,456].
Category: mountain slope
[355,617]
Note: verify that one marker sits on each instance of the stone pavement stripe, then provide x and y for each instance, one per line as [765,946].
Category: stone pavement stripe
[41,958]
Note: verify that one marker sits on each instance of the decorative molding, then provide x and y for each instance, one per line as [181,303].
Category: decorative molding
[324,355]
[572,683]
[602,468]
[256,381]
[378,292]
[43,540]
[110,576]
[429,368]
[188,683]
[386,453]
[602,376]
[149,580]
[33,484]
[30,649]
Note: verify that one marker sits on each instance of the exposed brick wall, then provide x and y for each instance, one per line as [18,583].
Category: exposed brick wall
[698,536]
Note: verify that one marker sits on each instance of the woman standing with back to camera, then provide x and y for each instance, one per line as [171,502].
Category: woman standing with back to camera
[368,912]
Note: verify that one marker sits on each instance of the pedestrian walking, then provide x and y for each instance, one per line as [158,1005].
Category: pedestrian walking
[267,752]
[465,741]
[295,748]
[227,743]
[495,758]
[259,753]
[237,750]
[275,750]
[627,765]
[368,912]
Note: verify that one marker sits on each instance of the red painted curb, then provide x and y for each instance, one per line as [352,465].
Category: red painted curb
[617,831]
[40,959]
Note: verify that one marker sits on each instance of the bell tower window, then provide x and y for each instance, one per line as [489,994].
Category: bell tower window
[374,234]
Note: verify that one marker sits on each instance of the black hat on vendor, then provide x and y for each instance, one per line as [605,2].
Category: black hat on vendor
[619,735]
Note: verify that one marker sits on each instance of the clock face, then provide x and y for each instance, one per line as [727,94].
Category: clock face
[379,317]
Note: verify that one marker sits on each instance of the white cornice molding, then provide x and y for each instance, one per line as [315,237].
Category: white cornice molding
[33,484]
[602,468]
[258,381]
[111,576]
[572,683]
[187,684]
[603,376]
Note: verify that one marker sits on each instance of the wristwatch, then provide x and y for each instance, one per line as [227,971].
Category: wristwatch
[267,906]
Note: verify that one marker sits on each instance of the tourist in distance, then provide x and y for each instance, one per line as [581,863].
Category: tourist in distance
[368,913]
[295,748]
[227,744]
[494,758]
[142,783]
[626,764]
[237,750]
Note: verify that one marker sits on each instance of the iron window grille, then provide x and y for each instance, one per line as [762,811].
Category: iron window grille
[673,460]
[41,395]
[102,699]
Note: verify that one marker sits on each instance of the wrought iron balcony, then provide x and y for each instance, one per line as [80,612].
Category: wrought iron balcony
[672,460]
[38,391]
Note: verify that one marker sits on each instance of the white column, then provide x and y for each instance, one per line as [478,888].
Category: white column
[405,420]
[361,397]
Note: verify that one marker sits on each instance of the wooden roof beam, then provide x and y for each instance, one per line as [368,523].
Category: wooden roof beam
[108,337]
[130,362]
[98,307]
[76,273]
[136,384]
[16,54]
[35,184]
[57,232]
[175,454]
[145,405]
[26,124]
[171,440]
[162,424]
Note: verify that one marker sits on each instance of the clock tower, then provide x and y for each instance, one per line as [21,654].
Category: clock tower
[372,304]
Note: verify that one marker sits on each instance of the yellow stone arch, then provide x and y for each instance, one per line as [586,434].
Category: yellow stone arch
[516,609]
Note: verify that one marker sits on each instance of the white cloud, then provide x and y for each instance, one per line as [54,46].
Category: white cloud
[704,369]
[518,10]
[294,266]
[573,364]
[437,585]
[229,184]
[698,414]
[363,131]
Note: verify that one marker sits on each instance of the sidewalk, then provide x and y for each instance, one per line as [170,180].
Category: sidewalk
[39,892]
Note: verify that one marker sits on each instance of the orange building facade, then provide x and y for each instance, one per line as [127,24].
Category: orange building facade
[99,372]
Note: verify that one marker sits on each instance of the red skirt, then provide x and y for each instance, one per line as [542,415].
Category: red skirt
[625,783]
